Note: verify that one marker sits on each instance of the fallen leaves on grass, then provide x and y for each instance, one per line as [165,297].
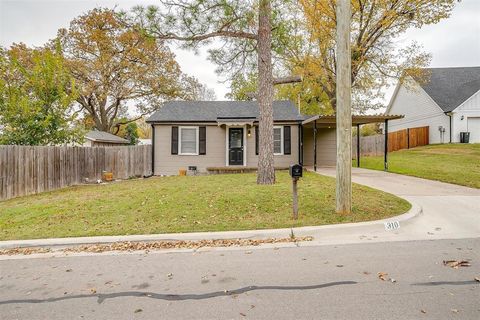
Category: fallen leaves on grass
[456,263]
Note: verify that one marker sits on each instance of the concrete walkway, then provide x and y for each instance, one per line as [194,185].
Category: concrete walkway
[448,211]
[439,211]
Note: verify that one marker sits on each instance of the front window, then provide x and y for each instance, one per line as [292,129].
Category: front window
[189,140]
[278,140]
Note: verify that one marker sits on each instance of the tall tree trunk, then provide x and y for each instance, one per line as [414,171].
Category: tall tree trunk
[344,110]
[266,170]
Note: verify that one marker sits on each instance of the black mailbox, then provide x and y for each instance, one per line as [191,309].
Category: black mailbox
[296,171]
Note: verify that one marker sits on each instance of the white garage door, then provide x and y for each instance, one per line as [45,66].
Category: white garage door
[474,128]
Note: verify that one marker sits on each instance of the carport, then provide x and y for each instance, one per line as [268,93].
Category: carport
[327,123]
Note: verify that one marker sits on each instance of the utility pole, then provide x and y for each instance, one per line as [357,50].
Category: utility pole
[344,110]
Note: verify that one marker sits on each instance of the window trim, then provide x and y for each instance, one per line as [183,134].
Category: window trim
[281,141]
[197,140]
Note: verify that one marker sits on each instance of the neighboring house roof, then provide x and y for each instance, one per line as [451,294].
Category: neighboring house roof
[212,111]
[102,136]
[450,87]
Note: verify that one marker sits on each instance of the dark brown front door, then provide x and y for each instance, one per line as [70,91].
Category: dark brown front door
[235,146]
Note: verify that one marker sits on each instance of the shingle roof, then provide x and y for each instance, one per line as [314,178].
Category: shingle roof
[102,136]
[211,111]
[450,87]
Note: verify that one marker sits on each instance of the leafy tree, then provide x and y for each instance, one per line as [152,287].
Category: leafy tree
[144,129]
[309,95]
[248,29]
[117,67]
[36,92]
[242,87]
[310,50]
[375,26]
[132,133]
[197,91]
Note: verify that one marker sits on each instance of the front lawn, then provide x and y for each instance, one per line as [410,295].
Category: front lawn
[453,163]
[184,204]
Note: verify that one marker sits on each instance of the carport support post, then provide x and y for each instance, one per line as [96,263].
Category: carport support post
[315,145]
[386,147]
[343,192]
[358,145]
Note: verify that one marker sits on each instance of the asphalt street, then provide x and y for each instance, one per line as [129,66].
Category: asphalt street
[306,282]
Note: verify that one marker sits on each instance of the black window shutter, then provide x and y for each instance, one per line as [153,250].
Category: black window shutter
[287,140]
[256,140]
[202,137]
[174,140]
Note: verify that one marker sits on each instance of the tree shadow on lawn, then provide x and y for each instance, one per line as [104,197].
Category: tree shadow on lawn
[178,297]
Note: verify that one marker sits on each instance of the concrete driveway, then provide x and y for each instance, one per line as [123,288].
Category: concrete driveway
[448,211]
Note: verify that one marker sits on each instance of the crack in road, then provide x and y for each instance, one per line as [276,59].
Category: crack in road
[178,297]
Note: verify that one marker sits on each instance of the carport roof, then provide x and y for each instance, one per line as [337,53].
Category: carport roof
[356,119]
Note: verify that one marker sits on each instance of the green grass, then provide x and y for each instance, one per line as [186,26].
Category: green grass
[183,204]
[453,163]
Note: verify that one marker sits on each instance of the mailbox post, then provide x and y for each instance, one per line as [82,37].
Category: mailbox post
[296,172]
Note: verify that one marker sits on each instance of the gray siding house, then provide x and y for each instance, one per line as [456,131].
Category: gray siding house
[208,136]
[203,135]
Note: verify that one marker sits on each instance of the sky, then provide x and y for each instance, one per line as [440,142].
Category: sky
[453,42]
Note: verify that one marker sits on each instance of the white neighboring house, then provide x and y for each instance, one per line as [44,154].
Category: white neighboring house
[448,102]
[144,142]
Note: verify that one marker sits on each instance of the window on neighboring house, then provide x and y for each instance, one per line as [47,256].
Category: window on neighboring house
[188,140]
[278,140]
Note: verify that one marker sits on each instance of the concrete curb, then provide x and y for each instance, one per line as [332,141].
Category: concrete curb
[336,229]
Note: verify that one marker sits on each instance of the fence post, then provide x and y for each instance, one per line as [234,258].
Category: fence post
[408,138]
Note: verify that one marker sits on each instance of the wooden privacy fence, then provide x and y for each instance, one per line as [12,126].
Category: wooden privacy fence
[397,140]
[369,145]
[408,138]
[28,170]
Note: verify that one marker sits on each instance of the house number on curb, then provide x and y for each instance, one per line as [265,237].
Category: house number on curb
[392,225]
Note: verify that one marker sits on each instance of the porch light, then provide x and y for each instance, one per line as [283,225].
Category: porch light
[249,132]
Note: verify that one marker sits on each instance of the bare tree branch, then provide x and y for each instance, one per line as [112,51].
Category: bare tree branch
[286,80]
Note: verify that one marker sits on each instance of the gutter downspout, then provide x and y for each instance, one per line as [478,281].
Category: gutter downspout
[449,114]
